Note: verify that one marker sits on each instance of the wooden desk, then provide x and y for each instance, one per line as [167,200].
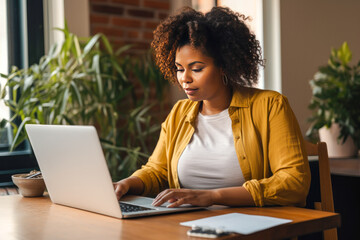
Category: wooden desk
[38,218]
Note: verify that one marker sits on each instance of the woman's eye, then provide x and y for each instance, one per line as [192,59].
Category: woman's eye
[197,70]
[179,70]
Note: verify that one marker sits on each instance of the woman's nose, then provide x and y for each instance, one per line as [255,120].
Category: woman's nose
[185,77]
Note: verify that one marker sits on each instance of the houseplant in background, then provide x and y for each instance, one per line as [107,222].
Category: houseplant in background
[89,83]
[335,104]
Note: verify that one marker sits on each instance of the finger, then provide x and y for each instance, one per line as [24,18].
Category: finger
[161,195]
[169,195]
[177,203]
[162,198]
[119,191]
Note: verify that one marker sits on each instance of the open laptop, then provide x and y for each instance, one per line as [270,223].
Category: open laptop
[76,174]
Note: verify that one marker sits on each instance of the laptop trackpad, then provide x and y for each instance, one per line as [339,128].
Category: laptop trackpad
[147,202]
[138,200]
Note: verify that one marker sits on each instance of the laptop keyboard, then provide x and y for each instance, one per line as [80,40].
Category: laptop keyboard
[126,207]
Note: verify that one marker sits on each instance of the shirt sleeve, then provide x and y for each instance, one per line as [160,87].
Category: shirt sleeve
[290,180]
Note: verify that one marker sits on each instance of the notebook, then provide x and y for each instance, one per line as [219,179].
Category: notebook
[76,174]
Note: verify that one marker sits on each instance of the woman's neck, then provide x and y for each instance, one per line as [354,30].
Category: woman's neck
[219,104]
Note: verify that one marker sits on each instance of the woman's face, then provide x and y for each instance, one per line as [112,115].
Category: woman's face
[198,75]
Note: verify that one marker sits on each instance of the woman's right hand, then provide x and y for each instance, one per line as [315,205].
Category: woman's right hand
[130,185]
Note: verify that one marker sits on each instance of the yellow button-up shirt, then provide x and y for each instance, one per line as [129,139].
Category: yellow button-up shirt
[268,144]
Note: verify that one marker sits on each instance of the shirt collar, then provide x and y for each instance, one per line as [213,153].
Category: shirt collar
[240,98]
[193,112]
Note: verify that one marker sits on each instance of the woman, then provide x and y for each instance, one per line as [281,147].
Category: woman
[228,143]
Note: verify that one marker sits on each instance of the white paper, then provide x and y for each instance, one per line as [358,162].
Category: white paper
[238,223]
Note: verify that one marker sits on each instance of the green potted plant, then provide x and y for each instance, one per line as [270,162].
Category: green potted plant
[89,83]
[335,101]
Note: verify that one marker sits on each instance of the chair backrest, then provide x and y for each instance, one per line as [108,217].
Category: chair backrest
[327,202]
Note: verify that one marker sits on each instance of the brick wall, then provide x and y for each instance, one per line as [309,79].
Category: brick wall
[128,21]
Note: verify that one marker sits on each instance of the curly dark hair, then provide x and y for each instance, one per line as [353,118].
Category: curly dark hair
[221,34]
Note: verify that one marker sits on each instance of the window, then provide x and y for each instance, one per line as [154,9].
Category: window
[4,111]
[25,45]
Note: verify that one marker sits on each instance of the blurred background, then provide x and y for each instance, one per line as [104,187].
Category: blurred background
[296,38]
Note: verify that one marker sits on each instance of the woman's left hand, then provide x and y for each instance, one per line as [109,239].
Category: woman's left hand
[178,197]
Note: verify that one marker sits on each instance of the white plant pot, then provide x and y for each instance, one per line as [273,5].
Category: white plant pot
[335,147]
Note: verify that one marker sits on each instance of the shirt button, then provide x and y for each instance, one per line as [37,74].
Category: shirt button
[237,137]
[236,121]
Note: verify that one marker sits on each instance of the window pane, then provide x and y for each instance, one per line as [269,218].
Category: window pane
[4,111]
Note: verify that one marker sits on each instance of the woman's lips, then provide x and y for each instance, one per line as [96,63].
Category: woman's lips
[190,91]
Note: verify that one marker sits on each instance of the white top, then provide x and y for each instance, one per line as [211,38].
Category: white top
[209,161]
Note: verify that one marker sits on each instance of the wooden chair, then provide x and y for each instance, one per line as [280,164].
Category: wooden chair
[327,202]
